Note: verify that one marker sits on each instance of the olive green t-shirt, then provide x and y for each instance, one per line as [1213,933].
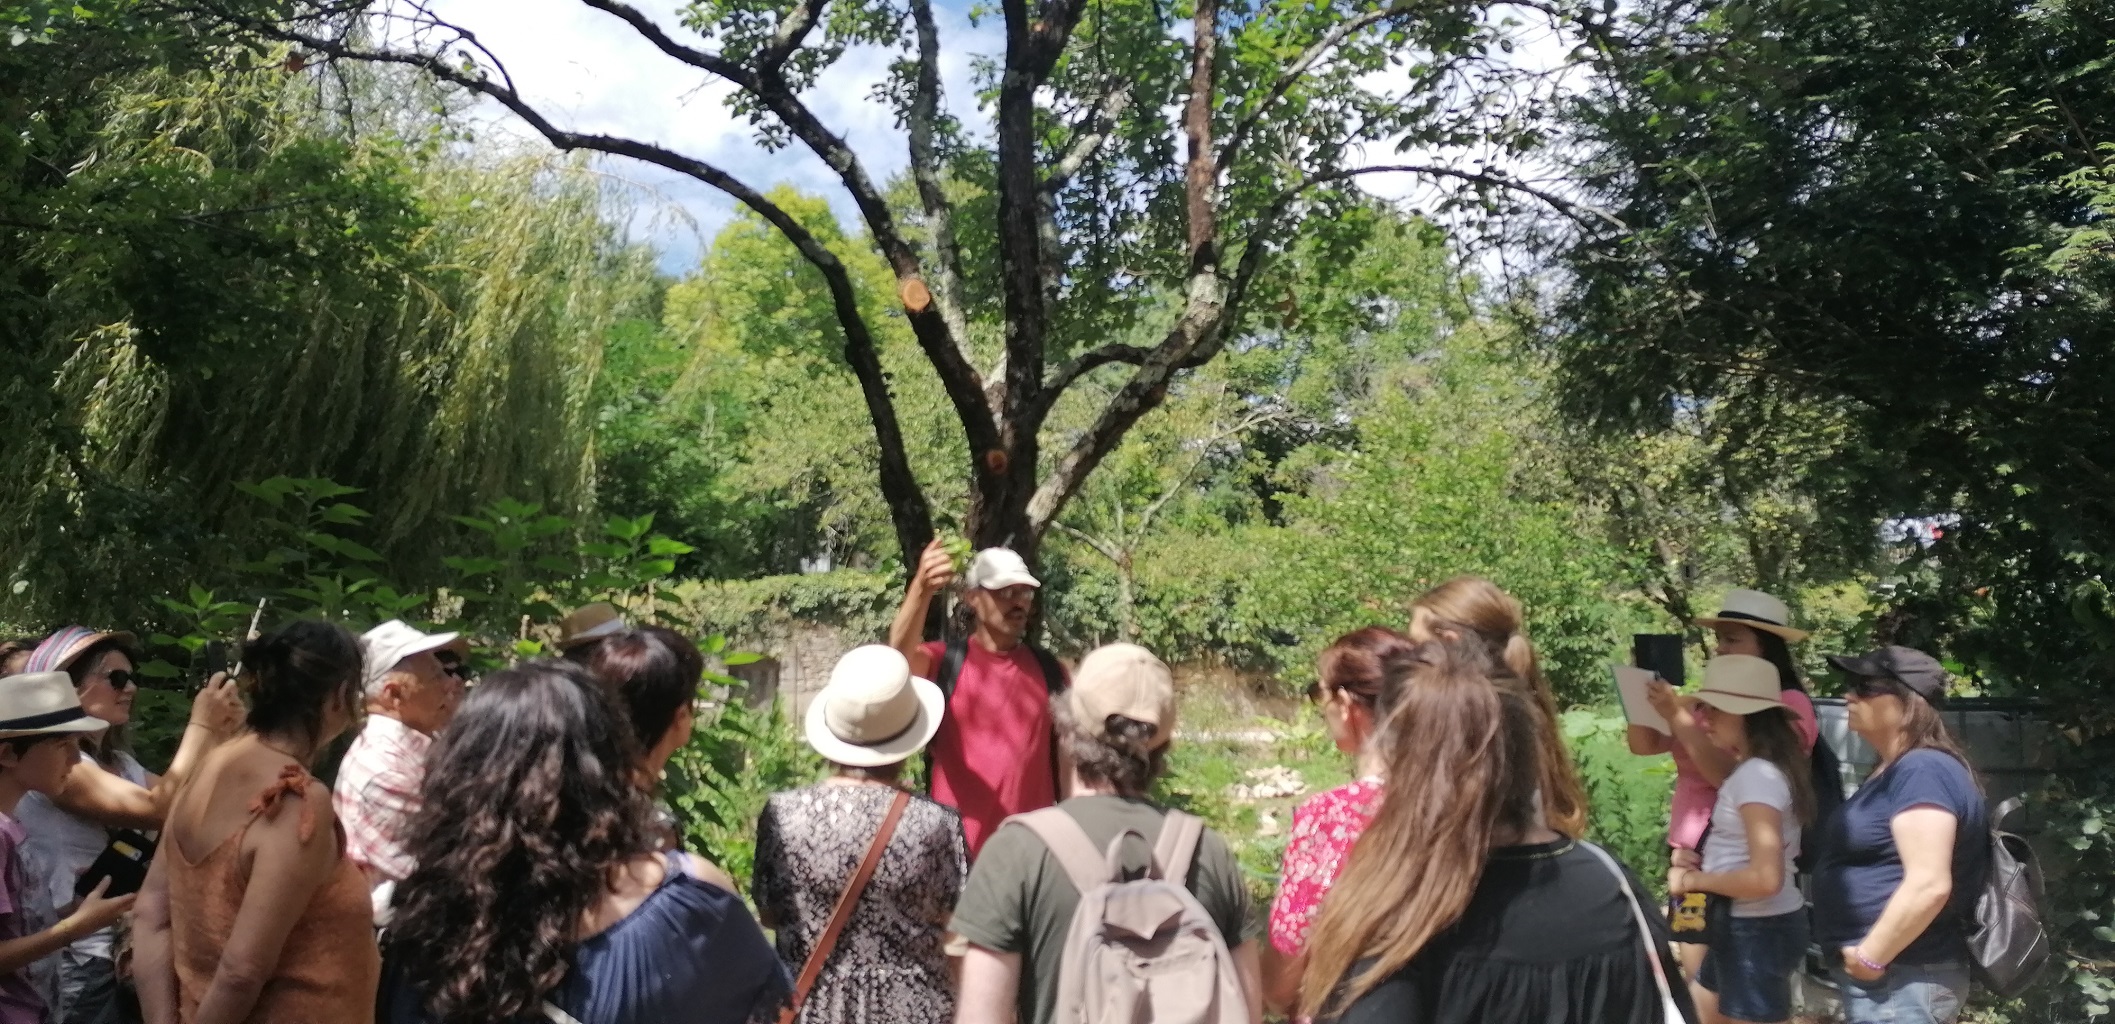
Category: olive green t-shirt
[1019,900]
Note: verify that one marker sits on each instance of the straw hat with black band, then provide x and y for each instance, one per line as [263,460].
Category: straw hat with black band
[43,704]
[873,711]
[1755,610]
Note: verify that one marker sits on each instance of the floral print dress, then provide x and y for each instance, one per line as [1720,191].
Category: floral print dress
[889,966]
[1324,827]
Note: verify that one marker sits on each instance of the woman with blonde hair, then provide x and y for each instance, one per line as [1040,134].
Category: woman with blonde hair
[1459,902]
[1471,608]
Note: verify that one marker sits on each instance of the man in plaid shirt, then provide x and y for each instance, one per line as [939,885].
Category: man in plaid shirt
[411,695]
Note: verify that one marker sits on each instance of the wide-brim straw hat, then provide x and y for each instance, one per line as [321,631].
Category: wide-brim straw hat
[43,704]
[1755,610]
[873,711]
[589,623]
[59,650]
[1741,684]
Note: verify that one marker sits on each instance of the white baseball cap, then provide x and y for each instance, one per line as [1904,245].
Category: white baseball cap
[997,569]
[391,642]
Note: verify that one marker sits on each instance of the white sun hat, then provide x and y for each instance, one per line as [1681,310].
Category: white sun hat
[42,704]
[1755,610]
[873,711]
[1741,684]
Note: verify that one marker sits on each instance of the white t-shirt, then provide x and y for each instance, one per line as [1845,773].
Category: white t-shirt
[1756,781]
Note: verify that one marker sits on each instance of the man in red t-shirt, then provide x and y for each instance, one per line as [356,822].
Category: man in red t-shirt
[992,756]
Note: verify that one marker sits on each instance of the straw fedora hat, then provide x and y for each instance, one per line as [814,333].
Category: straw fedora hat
[1755,610]
[41,704]
[873,711]
[1741,684]
[588,623]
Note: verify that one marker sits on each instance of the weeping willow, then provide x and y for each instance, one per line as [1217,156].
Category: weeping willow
[312,290]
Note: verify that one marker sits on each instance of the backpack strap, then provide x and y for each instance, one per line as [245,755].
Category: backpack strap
[1054,681]
[1069,843]
[2004,810]
[951,668]
[1180,833]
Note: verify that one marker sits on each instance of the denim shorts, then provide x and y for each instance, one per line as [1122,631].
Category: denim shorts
[1906,994]
[1751,972]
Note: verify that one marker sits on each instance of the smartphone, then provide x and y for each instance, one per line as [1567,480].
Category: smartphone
[216,658]
[124,862]
[1658,653]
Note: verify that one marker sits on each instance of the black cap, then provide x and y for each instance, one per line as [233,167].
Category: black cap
[1906,665]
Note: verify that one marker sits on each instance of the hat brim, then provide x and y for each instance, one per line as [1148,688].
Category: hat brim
[1738,703]
[1786,632]
[600,631]
[86,723]
[125,641]
[436,642]
[1010,579]
[931,707]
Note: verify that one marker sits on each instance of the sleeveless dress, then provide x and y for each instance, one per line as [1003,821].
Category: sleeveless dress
[328,968]
[688,954]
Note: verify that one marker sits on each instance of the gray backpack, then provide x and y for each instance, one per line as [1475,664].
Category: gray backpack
[1142,950]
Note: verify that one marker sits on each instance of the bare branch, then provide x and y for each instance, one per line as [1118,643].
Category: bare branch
[652,33]
[1090,360]
[1089,135]
[923,122]
[791,32]
[1101,547]
[1579,213]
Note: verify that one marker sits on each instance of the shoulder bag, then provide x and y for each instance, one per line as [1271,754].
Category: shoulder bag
[820,955]
[1670,1010]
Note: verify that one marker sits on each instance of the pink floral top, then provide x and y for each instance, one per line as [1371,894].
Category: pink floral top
[1324,827]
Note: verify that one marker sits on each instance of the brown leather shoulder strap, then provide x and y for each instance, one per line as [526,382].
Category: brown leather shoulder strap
[828,941]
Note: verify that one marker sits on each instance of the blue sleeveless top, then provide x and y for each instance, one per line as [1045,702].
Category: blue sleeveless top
[690,953]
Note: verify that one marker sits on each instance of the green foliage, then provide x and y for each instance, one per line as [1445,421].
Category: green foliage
[718,782]
[860,604]
[1626,794]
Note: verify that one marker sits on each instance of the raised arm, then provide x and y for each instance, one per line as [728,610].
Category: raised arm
[112,801]
[935,570]
[286,868]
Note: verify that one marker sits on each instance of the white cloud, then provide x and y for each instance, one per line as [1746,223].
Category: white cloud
[590,72]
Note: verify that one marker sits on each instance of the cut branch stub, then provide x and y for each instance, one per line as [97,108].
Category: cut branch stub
[916,297]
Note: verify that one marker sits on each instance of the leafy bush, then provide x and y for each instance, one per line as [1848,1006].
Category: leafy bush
[1627,795]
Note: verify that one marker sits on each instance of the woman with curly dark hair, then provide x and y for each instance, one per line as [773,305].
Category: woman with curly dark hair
[539,895]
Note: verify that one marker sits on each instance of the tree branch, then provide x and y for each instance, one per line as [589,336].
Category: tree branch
[652,33]
[1089,135]
[792,31]
[911,515]
[923,122]
[1297,69]
[1579,213]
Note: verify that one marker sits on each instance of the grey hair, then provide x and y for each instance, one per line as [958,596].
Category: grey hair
[377,680]
[1119,754]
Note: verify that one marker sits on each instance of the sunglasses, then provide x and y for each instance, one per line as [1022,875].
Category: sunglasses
[1874,686]
[119,678]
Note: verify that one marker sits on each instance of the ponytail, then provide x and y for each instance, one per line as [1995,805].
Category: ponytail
[1474,608]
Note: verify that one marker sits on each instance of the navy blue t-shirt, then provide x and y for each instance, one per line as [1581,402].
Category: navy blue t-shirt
[1860,869]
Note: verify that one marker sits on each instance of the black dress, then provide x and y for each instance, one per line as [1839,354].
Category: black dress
[1549,938]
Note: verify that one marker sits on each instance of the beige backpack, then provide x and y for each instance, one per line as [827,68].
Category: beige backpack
[1140,951]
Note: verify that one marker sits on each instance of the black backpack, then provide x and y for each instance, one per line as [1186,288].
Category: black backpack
[1054,683]
[2009,944]
[1826,774]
